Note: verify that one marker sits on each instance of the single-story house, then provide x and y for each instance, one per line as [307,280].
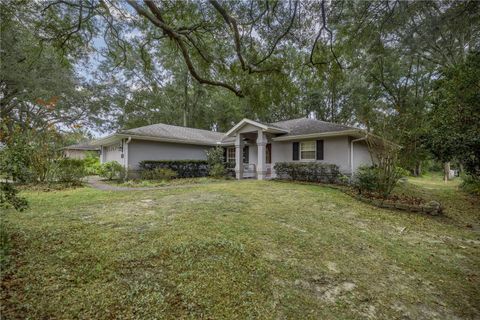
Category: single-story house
[253,146]
[79,151]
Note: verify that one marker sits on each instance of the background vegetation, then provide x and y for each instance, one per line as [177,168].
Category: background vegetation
[407,71]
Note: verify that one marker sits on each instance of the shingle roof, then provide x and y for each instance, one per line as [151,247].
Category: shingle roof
[294,127]
[167,131]
[308,126]
[81,146]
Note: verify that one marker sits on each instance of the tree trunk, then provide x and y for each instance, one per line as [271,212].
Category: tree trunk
[418,169]
[446,171]
[185,110]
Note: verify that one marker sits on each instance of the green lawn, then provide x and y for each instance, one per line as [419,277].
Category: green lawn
[240,250]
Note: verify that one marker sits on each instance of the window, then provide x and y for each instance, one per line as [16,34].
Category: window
[307,150]
[230,154]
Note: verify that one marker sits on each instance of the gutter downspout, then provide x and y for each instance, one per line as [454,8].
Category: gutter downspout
[351,153]
[125,157]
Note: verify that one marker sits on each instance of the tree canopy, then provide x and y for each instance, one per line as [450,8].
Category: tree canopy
[387,66]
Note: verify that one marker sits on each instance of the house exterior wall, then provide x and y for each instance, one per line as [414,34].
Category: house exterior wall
[75,154]
[248,128]
[253,154]
[336,151]
[361,155]
[139,150]
[112,153]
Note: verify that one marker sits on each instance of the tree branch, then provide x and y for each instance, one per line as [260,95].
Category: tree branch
[155,17]
[281,36]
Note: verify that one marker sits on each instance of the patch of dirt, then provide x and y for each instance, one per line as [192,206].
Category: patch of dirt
[325,288]
[332,266]
[293,227]
[331,293]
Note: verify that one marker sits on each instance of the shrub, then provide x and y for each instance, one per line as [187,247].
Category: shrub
[112,170]
[9,197]
[377,179]
[365,179]
[158,174]
[216,162]
[68,170]
[308,171]
[92,163]
[183,168]
[471,185]
[215,156]
[217,170]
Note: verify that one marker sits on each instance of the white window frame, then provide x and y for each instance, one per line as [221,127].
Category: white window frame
[230,159]
[300,149]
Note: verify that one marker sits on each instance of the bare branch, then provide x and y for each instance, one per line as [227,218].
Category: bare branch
[325,28]
[272,49]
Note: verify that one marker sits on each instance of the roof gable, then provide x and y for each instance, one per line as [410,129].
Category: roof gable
[261,126]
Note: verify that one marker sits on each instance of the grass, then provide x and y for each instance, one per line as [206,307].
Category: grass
[162,183]
[248,249]
[462,208]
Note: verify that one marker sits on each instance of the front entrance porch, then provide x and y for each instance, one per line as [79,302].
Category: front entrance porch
[256,136]
[257,163]
[250,171]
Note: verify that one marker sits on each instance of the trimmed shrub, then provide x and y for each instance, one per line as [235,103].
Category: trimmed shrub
[112,170]
[308,171]
[183,168]
[158,174]
[217,170]
[68,170]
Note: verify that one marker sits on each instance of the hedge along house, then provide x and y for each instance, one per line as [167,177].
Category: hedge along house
[253,146]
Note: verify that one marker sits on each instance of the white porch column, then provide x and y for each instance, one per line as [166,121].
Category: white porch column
[238,156]
[102,154]
[261,151]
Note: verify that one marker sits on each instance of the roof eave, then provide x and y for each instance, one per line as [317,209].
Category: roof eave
[118,136]
[354,132]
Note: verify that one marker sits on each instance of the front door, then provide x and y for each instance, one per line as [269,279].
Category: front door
[268,158]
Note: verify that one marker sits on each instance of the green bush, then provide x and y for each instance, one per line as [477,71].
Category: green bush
[112,170]
[217,170]
[183,168]
[92,163]
[215,156]
[471,185]
[68,170]
[9,197]
[378,180]
[308,171]
[216,162]
[158,174]
[366,179]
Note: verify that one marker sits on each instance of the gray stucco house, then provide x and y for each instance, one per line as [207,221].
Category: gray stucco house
[79,151]
[254,146]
